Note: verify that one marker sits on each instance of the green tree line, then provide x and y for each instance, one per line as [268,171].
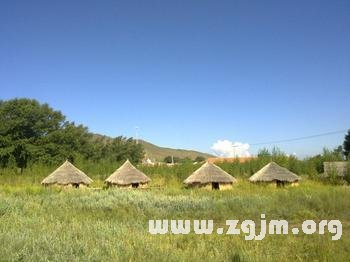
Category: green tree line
[31,133]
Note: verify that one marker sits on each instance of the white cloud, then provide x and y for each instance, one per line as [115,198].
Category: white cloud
[225,148]
[293,154]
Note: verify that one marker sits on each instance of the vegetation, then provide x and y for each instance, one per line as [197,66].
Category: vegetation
[55,224]
[346,145]
[50,224]
[199,159]
[32,133]
[176,160]
[159,153]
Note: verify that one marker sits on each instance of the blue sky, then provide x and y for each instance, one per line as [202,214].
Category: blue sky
[187,73]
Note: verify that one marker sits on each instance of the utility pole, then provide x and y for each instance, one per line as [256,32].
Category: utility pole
[137,134]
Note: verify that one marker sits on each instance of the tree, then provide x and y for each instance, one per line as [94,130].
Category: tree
[168,159]
[31,132]
[68,142]
[277,152]
[339,151]
[264,153]
[23,123]
[122,148]
[346,145]
[332,155]
[199,159]
[172,159]
[185,160]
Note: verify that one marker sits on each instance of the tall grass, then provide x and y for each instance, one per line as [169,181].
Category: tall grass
[51,224]
[165,176]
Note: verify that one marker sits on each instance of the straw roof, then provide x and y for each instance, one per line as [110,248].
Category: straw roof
[127,174]
[273,172]
[209,173]
[66,174]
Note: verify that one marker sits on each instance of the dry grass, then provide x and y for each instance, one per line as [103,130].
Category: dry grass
[38,224]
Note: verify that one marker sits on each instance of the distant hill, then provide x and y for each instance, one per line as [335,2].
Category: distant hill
[159,153]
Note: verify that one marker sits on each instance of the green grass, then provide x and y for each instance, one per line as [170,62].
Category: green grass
[50,224]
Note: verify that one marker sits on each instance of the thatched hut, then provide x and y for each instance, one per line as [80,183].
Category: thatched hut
[67,175]
[127,176]
[273,173]
[210,176]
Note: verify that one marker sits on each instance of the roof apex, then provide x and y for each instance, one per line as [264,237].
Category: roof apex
[271,172]
[209,173]
[127,174]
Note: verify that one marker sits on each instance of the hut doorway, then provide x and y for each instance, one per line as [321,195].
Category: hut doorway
[135,185]
[75,185]
[279,183]
[215,186]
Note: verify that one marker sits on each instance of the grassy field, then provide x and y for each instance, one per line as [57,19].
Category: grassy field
[51,224]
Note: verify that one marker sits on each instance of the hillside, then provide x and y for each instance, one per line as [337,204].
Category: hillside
[159,153]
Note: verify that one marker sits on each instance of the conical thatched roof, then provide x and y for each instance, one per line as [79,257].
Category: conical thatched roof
[127,174]
[66,174]
[273,172]
[209,173]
